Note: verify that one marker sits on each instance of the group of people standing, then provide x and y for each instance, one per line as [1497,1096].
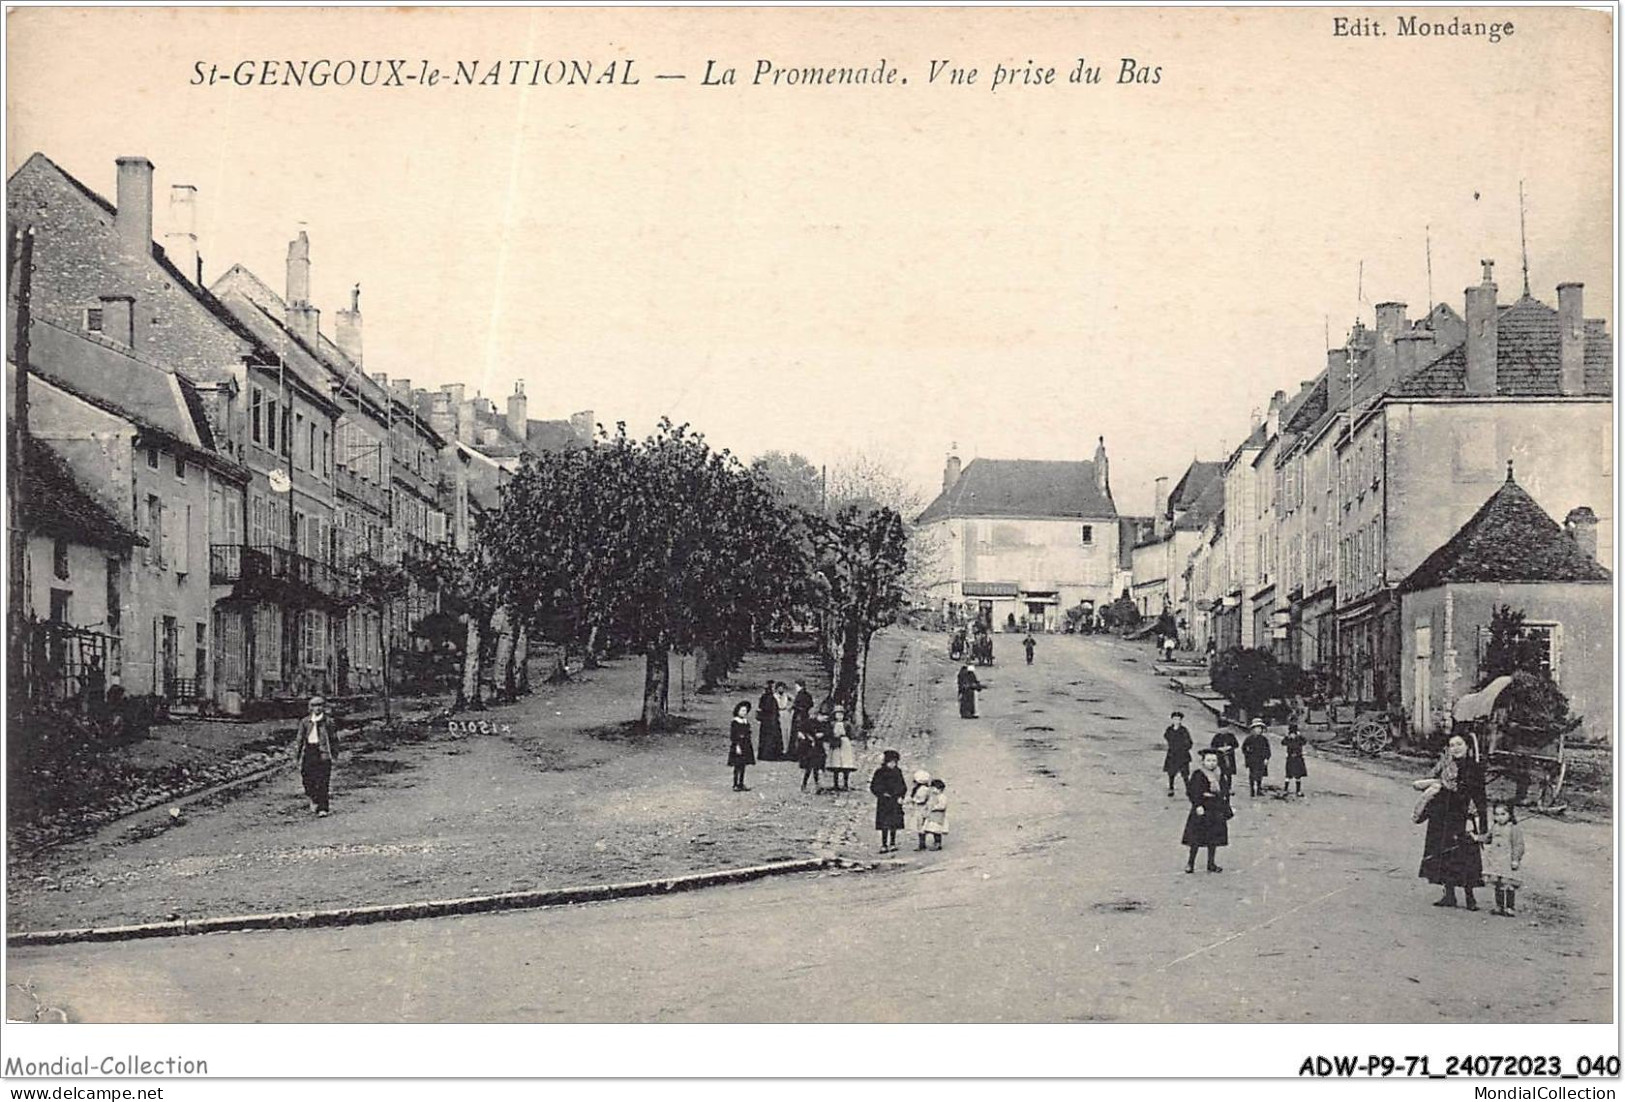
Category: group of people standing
[1468,843]
[818,743]
[1209,788]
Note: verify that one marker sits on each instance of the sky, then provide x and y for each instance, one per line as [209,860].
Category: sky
[897,269]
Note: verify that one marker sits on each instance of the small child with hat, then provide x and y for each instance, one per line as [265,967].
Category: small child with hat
[1255,749]
[936,812]
[919,796]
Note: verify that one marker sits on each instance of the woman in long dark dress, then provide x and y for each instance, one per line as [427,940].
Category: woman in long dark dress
[969,686]
[740,753]
[800,720]
[889,787]
[1456,815]
[767,720]
[1208,824]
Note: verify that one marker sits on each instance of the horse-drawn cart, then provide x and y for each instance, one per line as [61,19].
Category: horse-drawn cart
[1515,755]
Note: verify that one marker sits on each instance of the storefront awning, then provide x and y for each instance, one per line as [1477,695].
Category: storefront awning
[990,589]
[1480,704]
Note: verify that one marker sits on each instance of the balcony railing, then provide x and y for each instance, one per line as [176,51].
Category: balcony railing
[231,563]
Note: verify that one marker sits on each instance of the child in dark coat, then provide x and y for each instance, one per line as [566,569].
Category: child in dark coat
[1296,769]
[812,753]
[889,787]
[1255,750]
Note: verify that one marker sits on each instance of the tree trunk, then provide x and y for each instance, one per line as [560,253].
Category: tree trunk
[657,687]
[468,695]
[504,655]
[521,660]
[862,712]
[383,632]
[846,679]
[589,660]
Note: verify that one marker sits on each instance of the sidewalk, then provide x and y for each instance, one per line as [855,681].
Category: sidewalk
[563,792]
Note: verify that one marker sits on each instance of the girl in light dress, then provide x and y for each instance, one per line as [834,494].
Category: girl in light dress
[919,799]
[842,758]
[1503,853]
[936,813]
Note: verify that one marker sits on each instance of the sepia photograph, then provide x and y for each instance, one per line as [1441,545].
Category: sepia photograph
[1088,517]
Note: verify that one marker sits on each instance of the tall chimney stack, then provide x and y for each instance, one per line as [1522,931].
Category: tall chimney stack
[518,411]
[1581,525]
[950,472]
[1481,334]
[1571,325]
[582,423]
[1161,518]
[133,220]
[1103,481]
[347,327]
[303,318]
[181,240]
[1390,327]
[1411,351]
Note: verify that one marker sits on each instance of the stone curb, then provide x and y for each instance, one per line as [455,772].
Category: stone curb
[441,908]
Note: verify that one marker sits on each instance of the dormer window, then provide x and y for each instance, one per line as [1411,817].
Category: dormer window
[93,319]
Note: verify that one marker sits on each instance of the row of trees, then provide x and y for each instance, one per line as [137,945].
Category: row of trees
[663,545]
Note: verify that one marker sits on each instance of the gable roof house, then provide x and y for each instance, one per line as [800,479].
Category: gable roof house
[1511,553]
[1023,540]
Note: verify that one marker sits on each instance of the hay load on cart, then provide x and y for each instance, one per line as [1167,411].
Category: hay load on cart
[1520,727]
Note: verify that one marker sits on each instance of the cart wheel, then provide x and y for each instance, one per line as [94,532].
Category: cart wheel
[1550,785]
[1371,736]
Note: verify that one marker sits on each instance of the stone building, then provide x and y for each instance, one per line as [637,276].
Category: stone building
[1024,540]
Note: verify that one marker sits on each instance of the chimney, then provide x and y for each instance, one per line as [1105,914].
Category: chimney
[1103,481]
[518,410]
[1390,327]
[1581,525]
[180,243]
[133,219]
[1571,325]
[1411,351]
[1337,364]
[443,414]
[1162,520]
[488,436]
[1272,420]
[950,472]
[402,389]
[582,425]
[303,318]
[1481,334]
[381,378]
[118,319]
[465,420]
[347,329]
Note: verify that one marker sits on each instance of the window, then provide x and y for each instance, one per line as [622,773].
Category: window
[152,456]
[180,468]
[1547,638]
[256,403]
[183,542]
[313,639]
[60,610]
[93,319]
[155,530]
[327,455]
[59,558]
[270,424]
[287,431]
[1086,534]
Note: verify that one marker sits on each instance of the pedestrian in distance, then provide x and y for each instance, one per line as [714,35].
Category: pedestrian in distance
[1255,751]
[842,758]
[782,700]
[315,750]
[740,753]
[812,755]
[889,788]
[1224,744]
[767,722]
[1177,761]
[969,686]
[801,707]
[1503,854]
[1296,768]
[936,812]
[1453,806]
[1208,823]
[1029,644]
[919,796]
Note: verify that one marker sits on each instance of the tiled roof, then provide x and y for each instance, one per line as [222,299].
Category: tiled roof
[1528,359]
[54,504]
[1022,488]
[208,301]
[1509,539]
[1193,483]
[551,436]
[148,396]
[1206,508]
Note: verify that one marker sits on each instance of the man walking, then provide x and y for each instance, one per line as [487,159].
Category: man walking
[315,751]
[1030,644]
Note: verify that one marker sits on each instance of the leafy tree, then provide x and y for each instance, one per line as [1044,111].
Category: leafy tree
[862,557]
[800,484]
[380,586]
[1121,614]
[1248,677]
[1508,648]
